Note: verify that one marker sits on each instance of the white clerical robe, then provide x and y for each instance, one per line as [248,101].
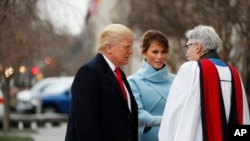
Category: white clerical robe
[182,115]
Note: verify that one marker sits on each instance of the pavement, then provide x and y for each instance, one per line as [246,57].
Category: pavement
[49,133]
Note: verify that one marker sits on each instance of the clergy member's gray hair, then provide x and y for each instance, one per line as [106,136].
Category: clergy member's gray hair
[206,35]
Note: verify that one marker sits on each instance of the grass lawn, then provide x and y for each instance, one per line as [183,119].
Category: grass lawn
[15,138]
[16,135]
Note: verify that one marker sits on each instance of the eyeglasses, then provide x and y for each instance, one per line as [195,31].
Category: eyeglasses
[186,47]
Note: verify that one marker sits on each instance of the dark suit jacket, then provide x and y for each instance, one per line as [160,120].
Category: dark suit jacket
[98,110]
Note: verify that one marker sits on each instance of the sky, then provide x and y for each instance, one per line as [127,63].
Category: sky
[67,16]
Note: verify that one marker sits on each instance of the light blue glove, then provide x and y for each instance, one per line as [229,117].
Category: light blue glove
[154,121]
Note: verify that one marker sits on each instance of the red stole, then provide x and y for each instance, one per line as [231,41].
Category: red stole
[214,122]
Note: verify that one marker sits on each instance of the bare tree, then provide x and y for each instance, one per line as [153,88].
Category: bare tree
[24,38]
[230,18]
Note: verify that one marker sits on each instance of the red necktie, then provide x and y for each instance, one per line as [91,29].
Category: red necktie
[119,79]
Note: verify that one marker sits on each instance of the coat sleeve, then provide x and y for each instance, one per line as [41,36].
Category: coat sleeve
[85,100]
[182,108]
[246,118]
[146,120]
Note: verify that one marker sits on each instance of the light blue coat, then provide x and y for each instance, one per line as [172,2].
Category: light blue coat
[150,88]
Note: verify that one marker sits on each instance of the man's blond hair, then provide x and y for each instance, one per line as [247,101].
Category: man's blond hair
[112,34]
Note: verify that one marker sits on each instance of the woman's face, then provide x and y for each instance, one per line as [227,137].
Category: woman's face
[156,55]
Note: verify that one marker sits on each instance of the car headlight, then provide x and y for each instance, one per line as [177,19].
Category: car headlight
[35,101]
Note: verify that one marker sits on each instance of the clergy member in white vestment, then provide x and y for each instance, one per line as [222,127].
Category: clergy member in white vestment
[207,94]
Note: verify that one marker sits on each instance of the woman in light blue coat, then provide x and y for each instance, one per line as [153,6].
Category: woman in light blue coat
[151,84]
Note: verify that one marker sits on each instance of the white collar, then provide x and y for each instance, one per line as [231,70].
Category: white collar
[111,65]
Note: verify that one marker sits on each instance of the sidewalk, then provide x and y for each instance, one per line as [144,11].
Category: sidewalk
[50,133]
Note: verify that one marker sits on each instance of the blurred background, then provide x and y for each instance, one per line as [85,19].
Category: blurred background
[46,41]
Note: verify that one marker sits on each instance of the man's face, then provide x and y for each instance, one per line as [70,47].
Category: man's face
[192,51]
[121,52]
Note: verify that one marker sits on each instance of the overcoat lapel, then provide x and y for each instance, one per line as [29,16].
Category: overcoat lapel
[110,76]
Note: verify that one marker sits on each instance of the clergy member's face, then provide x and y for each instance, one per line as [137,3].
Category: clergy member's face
[156,55]
[192,52]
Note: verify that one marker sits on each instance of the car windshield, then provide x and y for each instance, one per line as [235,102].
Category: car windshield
[43,84]
[59,87]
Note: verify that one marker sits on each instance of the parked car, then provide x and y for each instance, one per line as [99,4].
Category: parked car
[55,99]
[27,101]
